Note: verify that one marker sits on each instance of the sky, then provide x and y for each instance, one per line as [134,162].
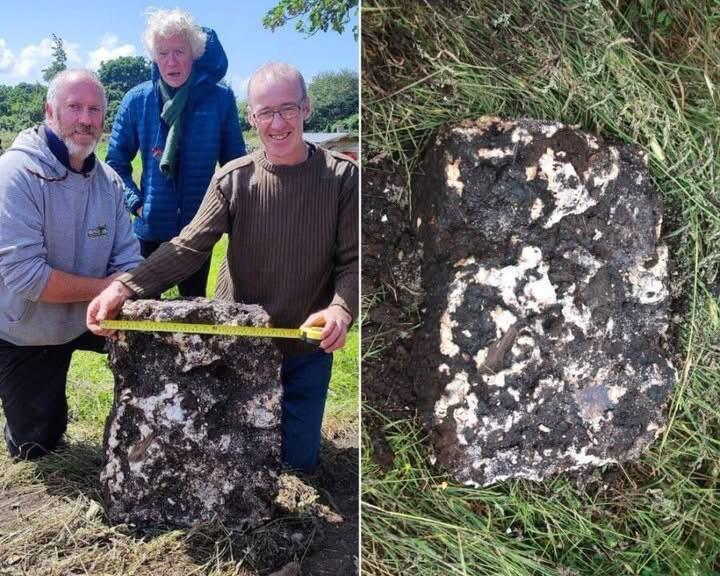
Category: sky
[97,31]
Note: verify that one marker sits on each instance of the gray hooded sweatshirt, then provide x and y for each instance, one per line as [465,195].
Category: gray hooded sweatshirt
[54,219]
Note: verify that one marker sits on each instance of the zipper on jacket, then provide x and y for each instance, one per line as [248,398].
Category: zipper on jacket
[179,189]
[178,209]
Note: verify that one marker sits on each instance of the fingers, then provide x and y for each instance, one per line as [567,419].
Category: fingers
[316,319]
[334,328]
[93,317]
[103,307]
[333,336]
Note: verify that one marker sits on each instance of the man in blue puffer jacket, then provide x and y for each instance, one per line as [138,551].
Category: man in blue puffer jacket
[184,123]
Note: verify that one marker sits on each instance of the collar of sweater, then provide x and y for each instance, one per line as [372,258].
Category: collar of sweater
[313,157]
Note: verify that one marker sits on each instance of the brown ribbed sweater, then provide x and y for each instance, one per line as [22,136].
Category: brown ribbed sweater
[293,239]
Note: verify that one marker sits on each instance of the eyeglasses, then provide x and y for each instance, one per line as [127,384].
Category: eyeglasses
[286,112]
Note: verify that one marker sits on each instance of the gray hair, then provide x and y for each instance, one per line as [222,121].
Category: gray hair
[277,70]
[65,77]
[168,23]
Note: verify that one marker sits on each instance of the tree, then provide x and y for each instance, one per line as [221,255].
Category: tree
[242,114]
[124,72]
[59,59]
[21,106]
[118,76]
[320,14]
[334,97]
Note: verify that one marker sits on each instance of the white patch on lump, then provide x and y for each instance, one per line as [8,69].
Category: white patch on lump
[452,172]
[537,208]
[648,284]
[571,196]
[488,153]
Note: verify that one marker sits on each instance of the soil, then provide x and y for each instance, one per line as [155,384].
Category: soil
[393,294]
[335,546]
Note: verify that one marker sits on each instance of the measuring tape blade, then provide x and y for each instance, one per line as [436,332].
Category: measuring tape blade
[312,334]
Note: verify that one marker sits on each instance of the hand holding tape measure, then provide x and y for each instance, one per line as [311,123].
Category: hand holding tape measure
[311,334]
[326,328]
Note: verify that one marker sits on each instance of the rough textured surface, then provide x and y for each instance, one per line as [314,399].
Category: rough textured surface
[543,347]
[194,433]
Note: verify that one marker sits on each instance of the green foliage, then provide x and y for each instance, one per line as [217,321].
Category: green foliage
[242,113]
[120,75]
[320,14]
[21,106]
[651,19]
[59,59]
[335,100]
[342,403]
[349,124]
[124,72]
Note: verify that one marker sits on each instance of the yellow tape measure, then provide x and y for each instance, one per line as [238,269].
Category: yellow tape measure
[311,334]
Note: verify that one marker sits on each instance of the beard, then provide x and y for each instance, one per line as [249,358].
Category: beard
[79,150]
[66,135]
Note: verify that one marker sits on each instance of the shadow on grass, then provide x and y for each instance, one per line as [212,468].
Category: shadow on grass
[72,471]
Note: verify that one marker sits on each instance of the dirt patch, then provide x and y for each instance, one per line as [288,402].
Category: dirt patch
[335,546]
[393,298]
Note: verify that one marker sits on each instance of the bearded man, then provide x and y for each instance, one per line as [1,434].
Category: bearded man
[64,236]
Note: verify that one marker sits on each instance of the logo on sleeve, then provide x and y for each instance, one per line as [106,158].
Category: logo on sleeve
[98,231]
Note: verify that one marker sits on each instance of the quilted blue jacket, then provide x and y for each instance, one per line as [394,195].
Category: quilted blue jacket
[211,134]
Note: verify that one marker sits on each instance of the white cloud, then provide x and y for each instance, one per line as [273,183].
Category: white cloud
[109,49]
[7,58]
[239,85]
[28,64]
[33,57]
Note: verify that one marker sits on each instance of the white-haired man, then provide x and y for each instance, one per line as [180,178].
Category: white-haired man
[64,235]
[291,211]
[183,123]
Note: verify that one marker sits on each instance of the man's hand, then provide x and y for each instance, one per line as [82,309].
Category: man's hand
[139,212]
[106,306]
[335,322]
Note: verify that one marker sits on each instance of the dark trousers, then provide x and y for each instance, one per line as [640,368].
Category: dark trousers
[32,389]
[195,285]
[305,381]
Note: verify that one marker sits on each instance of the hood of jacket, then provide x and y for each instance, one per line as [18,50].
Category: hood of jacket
[209,69]
[33,143]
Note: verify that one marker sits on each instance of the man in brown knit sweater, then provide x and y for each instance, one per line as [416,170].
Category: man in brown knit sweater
[291,212]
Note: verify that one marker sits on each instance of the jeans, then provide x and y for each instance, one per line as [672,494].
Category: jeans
[32,389]
[305,381]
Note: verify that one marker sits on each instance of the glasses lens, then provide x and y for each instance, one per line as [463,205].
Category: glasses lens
[289,112]
[264,117]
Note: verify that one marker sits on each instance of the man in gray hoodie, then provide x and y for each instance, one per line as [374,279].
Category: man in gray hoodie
[64,235]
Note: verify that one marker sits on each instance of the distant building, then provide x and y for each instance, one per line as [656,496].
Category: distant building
[342,142]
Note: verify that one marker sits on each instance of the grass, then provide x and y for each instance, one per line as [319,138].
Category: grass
[641,72]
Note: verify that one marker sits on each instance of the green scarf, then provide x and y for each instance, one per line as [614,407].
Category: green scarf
[173,115]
